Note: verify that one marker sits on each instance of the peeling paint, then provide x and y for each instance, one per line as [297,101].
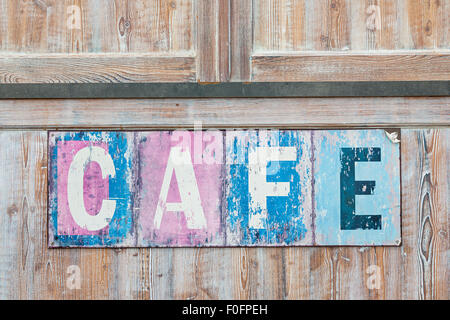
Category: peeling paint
[229,188]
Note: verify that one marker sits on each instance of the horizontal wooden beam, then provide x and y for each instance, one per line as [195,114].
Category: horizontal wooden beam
[95,68]
[351,67]
[225,90]
[225,113]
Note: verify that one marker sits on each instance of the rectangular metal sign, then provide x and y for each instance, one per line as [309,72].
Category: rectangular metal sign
[223,188]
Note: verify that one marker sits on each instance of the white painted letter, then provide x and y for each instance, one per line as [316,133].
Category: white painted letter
[75,188]
[258,186]
[180,162]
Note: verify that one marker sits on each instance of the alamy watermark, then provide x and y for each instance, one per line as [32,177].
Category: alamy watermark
[73,280]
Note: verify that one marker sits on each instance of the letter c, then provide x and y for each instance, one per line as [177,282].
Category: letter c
[75,188]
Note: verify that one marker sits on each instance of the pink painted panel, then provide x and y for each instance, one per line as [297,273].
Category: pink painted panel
[205,150]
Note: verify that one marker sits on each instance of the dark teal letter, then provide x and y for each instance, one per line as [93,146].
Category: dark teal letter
[350,188]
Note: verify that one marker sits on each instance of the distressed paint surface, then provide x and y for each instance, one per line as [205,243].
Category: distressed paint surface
[205,158]
[233,188]
[279,217]
[63,230]
[384,201]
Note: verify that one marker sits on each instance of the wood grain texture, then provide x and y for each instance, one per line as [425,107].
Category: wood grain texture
[417,270]
[225,113]
[338,40]
[425,172]
[95,68]
[279,25]
[213,40]
[342,25]
[96,26]
[108,41]
[427,23]
[351,67]
[241,39]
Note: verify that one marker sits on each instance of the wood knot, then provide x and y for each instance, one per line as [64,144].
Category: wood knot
[41,4]
[172,4]
[429,28]
[427,236]
[334,5]
[124,25]
[12,210]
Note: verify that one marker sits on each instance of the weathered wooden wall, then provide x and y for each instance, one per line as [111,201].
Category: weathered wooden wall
[225,40]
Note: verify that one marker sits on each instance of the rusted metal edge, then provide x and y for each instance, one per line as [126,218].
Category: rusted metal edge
[224,90]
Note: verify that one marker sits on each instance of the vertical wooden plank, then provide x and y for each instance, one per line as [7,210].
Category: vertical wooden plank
[433,22]
[358,25]
[224,43]
[307,274]
[427,23]
[161,274]
[145,280]
[173,273]
[56,281]
[157,26]
[60,18]
[432,245]
[241,38]
[266,274]
[100,27]
[212,40]
[338,28]
[29,188]
[73,16]
[425,222]
[95,266]
[213,273]
[387,32]
[279,25]
[32,271]
[322,283]
[368,273]
[27,21]
[206,41]
[316,21]
[3,25]
[128,274]
[11,162]
[183,283]
[240,268]
[327,24]
[380,25]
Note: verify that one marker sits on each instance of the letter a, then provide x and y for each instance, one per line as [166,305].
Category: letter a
[180,162]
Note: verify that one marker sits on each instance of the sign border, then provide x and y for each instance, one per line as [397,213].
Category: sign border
[399,243]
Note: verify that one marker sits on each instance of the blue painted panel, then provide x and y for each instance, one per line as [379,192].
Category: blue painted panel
[259,211]
[377,163]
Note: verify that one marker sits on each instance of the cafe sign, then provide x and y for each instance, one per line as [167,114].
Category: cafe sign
[186,188]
